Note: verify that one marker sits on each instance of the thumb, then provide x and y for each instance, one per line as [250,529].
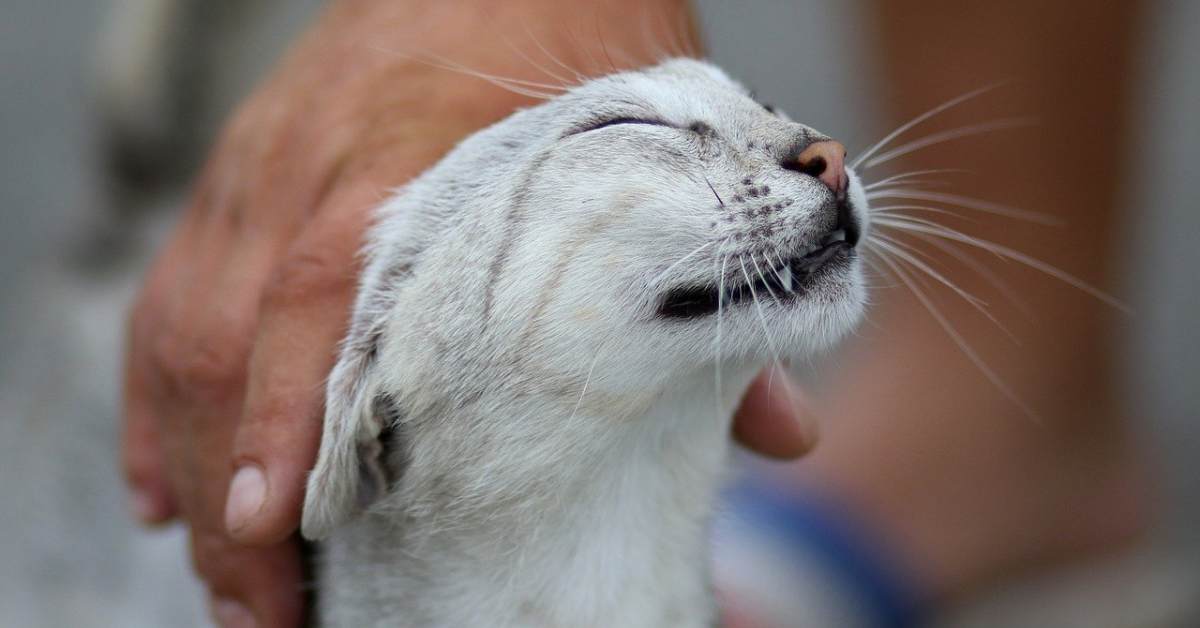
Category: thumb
[773,419]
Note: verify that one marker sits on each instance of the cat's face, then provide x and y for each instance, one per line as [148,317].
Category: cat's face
[669,209]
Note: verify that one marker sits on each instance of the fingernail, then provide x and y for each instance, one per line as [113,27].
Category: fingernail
[231,614]
[247,492]
[144,507]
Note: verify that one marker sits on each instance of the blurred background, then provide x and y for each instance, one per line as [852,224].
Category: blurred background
[107,109]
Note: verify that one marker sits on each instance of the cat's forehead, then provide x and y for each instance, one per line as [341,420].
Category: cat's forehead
[679,87]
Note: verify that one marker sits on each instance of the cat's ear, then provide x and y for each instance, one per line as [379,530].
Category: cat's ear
[363,423]
[360,421]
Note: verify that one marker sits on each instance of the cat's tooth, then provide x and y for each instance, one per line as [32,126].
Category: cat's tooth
[785,278]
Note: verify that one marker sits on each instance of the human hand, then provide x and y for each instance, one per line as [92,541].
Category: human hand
[238,322]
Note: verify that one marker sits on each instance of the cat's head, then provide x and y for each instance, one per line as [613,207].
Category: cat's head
[649,208]
[637,227]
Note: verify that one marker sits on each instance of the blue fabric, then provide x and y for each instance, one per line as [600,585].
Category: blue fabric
[820,527]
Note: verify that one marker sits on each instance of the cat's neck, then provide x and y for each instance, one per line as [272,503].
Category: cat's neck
[619,537]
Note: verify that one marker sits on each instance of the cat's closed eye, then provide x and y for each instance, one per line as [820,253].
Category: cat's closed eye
[607,122]
[700,128]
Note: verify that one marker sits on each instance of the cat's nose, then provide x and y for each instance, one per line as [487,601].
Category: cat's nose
[826,161]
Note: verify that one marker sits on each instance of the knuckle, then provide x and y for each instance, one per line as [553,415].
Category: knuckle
[290,409]
[136,466]
[143,308]
[147,308]
[303,278]
[211,366]
[213,555]
[241,124]
[134,473]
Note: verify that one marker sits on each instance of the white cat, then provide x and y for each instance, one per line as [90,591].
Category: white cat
[529,418]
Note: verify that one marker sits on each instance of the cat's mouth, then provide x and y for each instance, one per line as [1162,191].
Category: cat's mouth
[790,279]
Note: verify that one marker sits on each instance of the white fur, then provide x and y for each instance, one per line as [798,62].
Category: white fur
[555,445]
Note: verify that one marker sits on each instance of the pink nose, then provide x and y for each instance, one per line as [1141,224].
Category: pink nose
[827,162]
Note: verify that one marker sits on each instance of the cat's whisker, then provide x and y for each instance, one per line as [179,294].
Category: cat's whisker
[532,89]
[612,67]
[450,64]
[952,134]
[910,174]
[999,284]
[955,336]
[683,27]
[720,201]
[762,318]
[595,68]
[904,253]
[953,102]
[720,305]
[898,210]
[625,60]
[908,223]
[649,41]
[966,202]
[672,32]
[681,260]
[669,35]
[563,81]
[775,269]
[878,234]
[878,274]
[941,231]
[586,381]
[763,278]
[579,77]
[910,184]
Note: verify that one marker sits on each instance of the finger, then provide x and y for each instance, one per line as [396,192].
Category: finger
[305,310]
[141,453]
[165,367]
[142,456]
[250,586]
[773,419]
